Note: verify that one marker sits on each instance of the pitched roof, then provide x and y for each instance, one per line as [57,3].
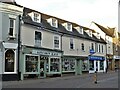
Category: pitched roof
[61,29]
[109,31]
[12,2]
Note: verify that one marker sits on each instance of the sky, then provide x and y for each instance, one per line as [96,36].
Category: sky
[82,12]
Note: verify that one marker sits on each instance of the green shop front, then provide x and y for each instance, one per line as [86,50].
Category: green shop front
[74,64]
[39,62]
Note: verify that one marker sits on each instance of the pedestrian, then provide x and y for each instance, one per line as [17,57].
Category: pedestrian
[115,68]
[106,69]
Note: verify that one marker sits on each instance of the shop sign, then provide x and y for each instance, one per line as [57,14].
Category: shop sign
[40,52]
[92,51]
[96,58]
[116,57]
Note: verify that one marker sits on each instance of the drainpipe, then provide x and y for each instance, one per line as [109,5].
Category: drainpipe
[19,28]
[107,62]
[62,53]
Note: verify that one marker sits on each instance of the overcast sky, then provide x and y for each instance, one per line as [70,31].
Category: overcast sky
[82,12]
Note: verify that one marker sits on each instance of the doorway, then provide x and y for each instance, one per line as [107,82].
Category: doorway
[42,68]
[96,66]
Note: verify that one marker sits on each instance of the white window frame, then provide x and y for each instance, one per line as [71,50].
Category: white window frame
[54,22]
[69,27]
[36,19]
[99,48]
[15,63]
[102,48]
[79,29]
[24,67]
[32,14]
[66,25]
[11,36]
[54,41]
[92,46]
[90,33]
[73,44]
[40,40]
[84,46]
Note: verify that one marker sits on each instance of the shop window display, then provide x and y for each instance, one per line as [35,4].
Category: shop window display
[91,63]
[55,65]
[68,65]
[9,61]
[85,65]
[31,63]
[101,65]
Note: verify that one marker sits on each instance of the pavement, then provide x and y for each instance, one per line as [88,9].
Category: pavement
[104,80]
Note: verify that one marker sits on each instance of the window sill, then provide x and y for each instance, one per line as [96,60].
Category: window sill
[11,37]
[83,50]
[72,49]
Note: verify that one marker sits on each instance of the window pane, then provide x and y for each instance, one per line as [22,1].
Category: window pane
[31,63]
[92,46]
[11,28]
[11,22]
[11,31]
[38,38]
[55,65]
[36,17]
[54,22]
[9,61]
[69,27]
[68,65]
[56,41]
[85,65]
[71,44]
[91,63]
[82,46]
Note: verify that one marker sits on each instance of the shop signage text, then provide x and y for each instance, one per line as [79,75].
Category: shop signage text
[96,58]
[40,52]
[92,51]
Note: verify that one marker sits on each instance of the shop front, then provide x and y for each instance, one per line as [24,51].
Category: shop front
[97,63]
[9,63]
[68,65]
[85,65]
[74,65]
[117,62]
[110,62]
[40,63]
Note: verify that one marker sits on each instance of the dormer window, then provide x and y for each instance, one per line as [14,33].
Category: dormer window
[36,17]
[79,29]
[53,22]
[68,26]
[98,35]
[90,33]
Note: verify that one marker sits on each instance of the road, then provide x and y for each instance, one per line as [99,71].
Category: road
[104,80]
